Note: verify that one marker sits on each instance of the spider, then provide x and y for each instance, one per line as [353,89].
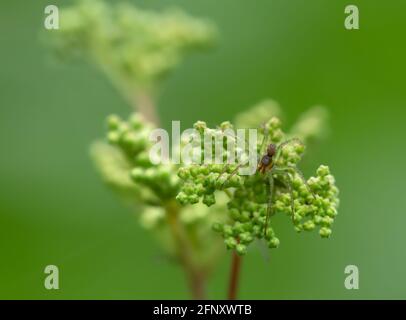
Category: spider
[267,166]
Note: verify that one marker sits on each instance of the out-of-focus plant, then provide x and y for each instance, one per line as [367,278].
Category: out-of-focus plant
[184,232]
[181,205]
[135,48]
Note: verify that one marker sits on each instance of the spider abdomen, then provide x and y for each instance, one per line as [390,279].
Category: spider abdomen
[265,163]
[266,160]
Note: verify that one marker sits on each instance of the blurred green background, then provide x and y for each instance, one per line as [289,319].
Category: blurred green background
[54,208]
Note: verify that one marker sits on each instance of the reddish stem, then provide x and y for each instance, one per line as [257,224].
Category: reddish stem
[234,276]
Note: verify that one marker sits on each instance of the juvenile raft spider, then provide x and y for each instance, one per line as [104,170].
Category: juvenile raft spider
[267,166]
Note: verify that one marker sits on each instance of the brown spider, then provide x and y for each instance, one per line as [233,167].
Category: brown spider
[267,166]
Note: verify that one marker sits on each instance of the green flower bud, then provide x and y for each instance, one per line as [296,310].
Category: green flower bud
[113,122]
[113,137]
[257,230]
[228,230]
[299,148]
[331,212]
[137,174]
[209,199]
[199,190]
[136,121]
[325,232]
[235,214]
[248,226]
[142,160]
[269,234]
[183,173]
[133,142]
[230,242]
[194,171]
[317,219]
[200,126]
[327,221]
[226,125]
[238,228]
[205,170]
[323,171]
[123,128]
[182,198]
[274,123]
[277,136]
[241,249]
[273,243]
[245,216]
[193,198]
[245,238]
[218,227]
[309,225]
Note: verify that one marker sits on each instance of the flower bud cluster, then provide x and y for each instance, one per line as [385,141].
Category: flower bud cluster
[157,182]
[315,200]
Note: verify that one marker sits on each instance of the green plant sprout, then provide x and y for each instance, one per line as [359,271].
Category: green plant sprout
[181,204]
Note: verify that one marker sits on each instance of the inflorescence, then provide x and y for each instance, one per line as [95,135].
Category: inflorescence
[315,202]
[182,204]
[134,47]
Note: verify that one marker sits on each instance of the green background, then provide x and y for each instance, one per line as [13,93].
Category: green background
[55,210]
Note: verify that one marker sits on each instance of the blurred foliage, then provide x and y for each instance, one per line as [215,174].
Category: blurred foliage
[135,48]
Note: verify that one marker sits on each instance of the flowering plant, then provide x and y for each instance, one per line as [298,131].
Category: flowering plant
[191,209]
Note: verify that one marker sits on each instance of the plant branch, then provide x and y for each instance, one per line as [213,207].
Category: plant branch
[144,103]
[196,278]
[140,99]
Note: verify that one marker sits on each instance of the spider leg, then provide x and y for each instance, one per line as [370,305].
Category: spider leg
[292,201]
[223,171]
[283,144]
[226,167]
[264,139]
[270,198]
[263,143]
[231,174]
[300,174]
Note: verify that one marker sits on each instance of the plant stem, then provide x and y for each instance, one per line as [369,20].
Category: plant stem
[144,103]
[140,100]
[195,277]
[234,276]
[197,284]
